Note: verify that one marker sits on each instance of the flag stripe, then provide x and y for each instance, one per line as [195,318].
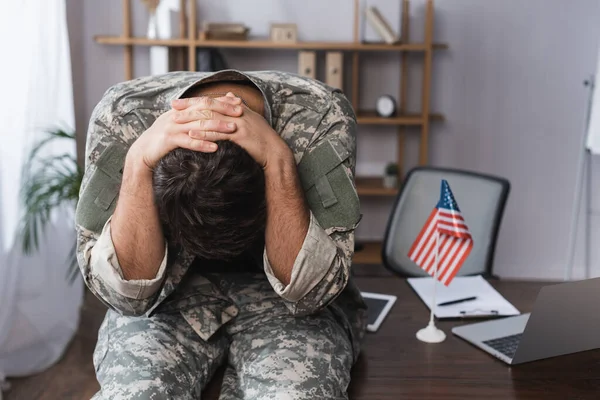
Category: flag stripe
[452,228]
[453,215]
[466,250]
[421,239]
[418,242]
[444,245]
[452,262]
[426,249]
[452,223]
[426,242]
[462,235]
[443,249]
[429,257]
[449,256]
[448,249]
[429,262]
[459,264]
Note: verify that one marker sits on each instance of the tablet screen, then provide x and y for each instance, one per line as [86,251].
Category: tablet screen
[379,305]
[375,307]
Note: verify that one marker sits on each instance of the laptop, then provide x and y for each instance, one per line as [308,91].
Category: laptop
[565,319]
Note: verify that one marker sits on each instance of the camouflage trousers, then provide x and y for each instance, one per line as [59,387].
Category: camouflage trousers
[268,353]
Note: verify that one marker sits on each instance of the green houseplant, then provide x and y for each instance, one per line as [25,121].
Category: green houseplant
[390,177]
[48,183]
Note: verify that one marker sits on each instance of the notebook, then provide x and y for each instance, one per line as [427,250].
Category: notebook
[487,303]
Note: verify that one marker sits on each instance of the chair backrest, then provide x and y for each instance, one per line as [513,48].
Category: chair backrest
[481,199]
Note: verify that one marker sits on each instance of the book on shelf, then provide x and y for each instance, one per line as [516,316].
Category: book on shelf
[224,31]
[381,25]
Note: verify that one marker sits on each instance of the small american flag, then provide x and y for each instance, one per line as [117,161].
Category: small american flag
[455,241]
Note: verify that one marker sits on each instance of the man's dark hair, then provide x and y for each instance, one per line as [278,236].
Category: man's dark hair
[211,204]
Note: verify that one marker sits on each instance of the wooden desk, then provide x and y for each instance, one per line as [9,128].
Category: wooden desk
[395,365]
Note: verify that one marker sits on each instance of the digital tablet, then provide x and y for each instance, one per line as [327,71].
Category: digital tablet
[379,305]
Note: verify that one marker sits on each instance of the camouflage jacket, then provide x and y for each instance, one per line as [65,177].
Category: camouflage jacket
[318,124]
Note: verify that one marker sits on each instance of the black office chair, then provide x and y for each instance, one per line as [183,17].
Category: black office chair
[481,199]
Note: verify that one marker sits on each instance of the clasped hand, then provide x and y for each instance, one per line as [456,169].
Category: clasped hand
[197,123]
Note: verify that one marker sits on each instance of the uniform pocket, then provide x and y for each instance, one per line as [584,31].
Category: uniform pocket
[103,343]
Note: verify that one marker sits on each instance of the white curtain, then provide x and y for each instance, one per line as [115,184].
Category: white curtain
[39,307]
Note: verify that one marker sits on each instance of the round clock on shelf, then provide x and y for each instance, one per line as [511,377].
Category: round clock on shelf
[386,106]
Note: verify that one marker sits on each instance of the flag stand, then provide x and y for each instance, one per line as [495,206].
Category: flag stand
[431,333]
[446,219]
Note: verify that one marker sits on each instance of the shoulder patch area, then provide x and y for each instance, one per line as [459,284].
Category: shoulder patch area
[98,199]
[328,187]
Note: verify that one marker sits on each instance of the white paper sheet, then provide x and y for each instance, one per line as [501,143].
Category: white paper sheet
[488,301]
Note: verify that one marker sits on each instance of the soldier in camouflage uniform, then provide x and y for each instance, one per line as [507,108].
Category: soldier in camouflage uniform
[166,332]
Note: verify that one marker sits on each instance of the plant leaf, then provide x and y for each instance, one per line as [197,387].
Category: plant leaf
[48,183]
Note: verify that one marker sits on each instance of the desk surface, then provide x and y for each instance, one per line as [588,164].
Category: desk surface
[395,365]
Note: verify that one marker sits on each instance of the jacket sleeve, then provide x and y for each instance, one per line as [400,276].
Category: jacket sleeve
[96,255]
[322,268]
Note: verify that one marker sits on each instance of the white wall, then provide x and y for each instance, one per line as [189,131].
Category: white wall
[510,87]
[515,102]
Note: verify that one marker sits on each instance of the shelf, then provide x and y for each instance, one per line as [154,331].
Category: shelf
[369,254]
[266,44]
[140,41]
[373,187]
[371,118]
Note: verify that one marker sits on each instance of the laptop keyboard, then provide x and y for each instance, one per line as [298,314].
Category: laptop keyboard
[506,345]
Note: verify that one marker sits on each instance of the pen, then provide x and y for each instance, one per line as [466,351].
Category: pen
[447,303]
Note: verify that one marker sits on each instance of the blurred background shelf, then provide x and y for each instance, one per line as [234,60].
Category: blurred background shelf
[367,117]
[266,44]
[367,253]
[368,186]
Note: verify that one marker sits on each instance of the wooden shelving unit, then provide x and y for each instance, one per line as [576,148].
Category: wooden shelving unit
[189,40]
[266,44]
[371,118]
